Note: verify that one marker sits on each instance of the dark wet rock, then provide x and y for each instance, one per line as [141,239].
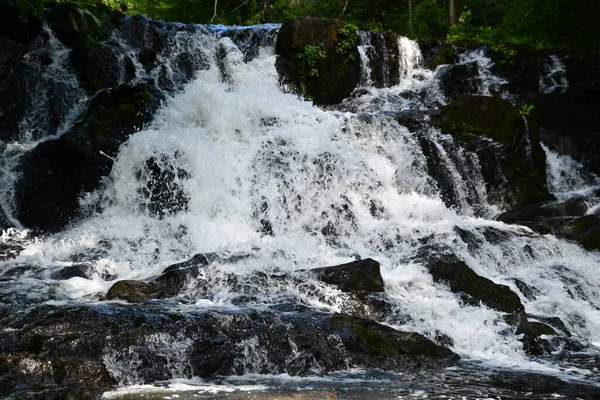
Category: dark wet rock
[134,291]
[554,322]
[356,277]
[74,28]
[98,68]
[513,163]
[164,193]
[383,54]
[332,77]
[585,230]
[533,341]
[12,80]
[457,80]
[526,290]
[473,289]
[147,57]
[521,66]
[58,172]
[436,54]
[9,250]
[570,118]
[79,377]
[574,207]
[528,382]
[73,271]
[16,26]
[206,344]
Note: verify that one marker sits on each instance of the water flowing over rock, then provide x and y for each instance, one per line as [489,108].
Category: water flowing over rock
[193,207]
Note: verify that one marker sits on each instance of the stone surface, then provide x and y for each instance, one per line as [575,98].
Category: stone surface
[152,344]
[357,277]
[56,173]
[448,269]
[513,163]
[338,72]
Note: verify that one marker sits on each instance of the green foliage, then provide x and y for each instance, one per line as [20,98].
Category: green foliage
[27,7]
[311,56]
[347,40]
[526,109]
[506,55]
[464,30]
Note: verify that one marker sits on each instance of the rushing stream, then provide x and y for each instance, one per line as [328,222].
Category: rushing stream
[269,183]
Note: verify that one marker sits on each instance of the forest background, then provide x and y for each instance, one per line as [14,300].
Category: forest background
[568,25]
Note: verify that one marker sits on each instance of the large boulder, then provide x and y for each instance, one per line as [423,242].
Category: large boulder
[507,142]
[56,173]
[319,58]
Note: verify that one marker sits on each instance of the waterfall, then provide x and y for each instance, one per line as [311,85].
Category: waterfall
[270,185]
[554,79]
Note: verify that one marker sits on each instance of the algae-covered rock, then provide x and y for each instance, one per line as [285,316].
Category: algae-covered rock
[57,172]
[585,230]
[507,142]
[319,58]
[134,291]
[358,276]
[447,268]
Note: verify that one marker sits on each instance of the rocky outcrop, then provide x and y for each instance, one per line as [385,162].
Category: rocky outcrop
[513,164]
[566,219]
[472,288]
[58,172]
[360,276]
[319,58]
[97,344]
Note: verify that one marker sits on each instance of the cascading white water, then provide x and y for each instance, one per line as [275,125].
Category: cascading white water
[566,177]
[554,79]
[490,84]
[276,184]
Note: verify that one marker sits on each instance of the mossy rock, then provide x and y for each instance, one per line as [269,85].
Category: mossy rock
[334,73]
[134,291]
[388,347]
[477,116]
[507,143]
[585,230]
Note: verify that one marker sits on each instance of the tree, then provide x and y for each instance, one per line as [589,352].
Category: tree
[452,8]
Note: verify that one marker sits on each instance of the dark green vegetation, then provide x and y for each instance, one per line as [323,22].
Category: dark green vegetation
[559,24]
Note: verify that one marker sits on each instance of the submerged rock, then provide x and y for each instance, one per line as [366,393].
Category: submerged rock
[319,58]
[358,276]
[527,383]
[56,173]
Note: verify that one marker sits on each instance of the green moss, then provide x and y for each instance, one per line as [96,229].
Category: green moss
[480,116]
[376,342]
